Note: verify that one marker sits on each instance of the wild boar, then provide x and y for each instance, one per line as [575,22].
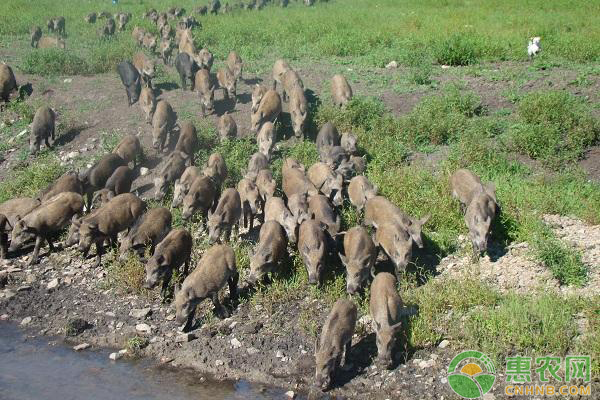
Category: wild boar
[336,340]
[122,20]
[149,41]
[129,149]
[279,68]
[215,269]
[119,214]
[105,14]
[295,181]
[358,165]
[186,67]
[234,62]
[328,136]
[49,42]
[166,32]
[59,25]
[266,139]
[148,103]
[320,208]
[120,181]
[216,169]
[202,10]
[360,190]
[163,121]
[150,229]
[266,184]
[257,94]
[214,7]
[298,206]
[91,18]
[268,110]
[327,181]
[205,59]
[272,246]
[145,67]
[171,170]
[250,198]
[131,79]
[386,309]
[227,127]
[276,210]
[138,34]
[4,227]
[226,215]
[298,111]
[8,83]
[43,127]
[396,242]
[348,142]
[205,90]
[290,81]
[336,157]
[359,258]
[95,178]
[17,207]
[200,197]
[69,182]
[379,210]
[341,92]
[166,50]
[35,35]
[183,184]
[171,253]
[188,140]
[227,82]
[257,162]
[45,221]
[312,245]
[109,28]
[284,3]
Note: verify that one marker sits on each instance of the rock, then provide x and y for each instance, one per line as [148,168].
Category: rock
[252,350]
[143,328]
[185,337]
[219,363]
[392,65]
[9,294]
[279,354]
[68,80]
[4,317]
[71,155]
[53,284]
[233,325]
[3,279]
[75,326]
[115,356]
[23,288]
[170,317]
[140,313]
[26,321]
[236,343]
[24,131]
[252,327]
[290,394]
[144,171]
[443,344]
[365,319]
[445,66]
[81,346]
[123,352]
[166,360]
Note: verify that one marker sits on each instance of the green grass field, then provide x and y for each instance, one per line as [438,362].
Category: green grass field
[551,127]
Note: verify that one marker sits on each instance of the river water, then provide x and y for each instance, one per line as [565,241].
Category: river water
[39,369]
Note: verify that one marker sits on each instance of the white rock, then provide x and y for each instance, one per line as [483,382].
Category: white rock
[81,346]
[120,325]
[445,66]
[236,343]
[365,319]
[140,313]
[279,354]
[143,328]
[218,363]
[26,321]
[4,317]
[115,356]
[443,344]
[233,324]
[53,284]
[71,155]
[185,337]
[392,64]
[123,352]
[24,131]
[252,350]
[68,80]
[290,394]
[144,171]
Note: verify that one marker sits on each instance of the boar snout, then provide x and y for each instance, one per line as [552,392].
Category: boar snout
[352,287]
[313,278]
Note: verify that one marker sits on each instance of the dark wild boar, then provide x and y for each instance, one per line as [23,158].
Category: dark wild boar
[150,229]
[95,178]
[186,67]
[5,227]
[188,140]
[129,149]
[42,129]
[171,170]
[35,36]
[226,215]
[328,136]
[8,83]
[272,246]
[130,77]
[69,182]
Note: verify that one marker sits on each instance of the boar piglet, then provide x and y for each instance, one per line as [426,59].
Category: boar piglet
[188,140]
[341,92]
[298,111]
[360,190]
[227,127]
[129,149]
[201,197]
[148,103]
[279,68]
[335,342]
[359,259]
[205,59]
[186,67]
[235,65]
[69,182]
[266,184]
[95,178]
[298,205]
[183,184]
[334,156]
[226,215]
[320,209]
[227,82]
[268,110]
[171,253]
[257,162]
[266,139]
[130,77]
[35,35]
[215,269]
[145,67]
[119,214]
[150,229]
[171,170]
[5,227]
[272,246]
[8,83]
[44,221]
[120,181]
[290,81]
[163,121]
[276,210]
[216,169]
[205,90]
[250,198]
[328,136]
[312,245]
[295,181]
[42,128]
[257,94]
[327,181]
[396,243]
[348,142]
[17,207]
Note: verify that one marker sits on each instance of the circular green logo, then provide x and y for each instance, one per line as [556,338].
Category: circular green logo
[471,374]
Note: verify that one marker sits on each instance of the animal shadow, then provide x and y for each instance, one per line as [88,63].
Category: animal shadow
[69,135]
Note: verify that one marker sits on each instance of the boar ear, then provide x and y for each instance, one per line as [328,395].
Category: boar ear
[424,220]
[375,241]
[343,258]
[177,288]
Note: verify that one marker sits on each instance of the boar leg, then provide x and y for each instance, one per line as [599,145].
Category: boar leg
[50,244]
[165,284]
[36,250]
[233,284]
[251,220]
[346,352]
[3,245]
[99,252]
[220,310]
[186,266]
[189,324]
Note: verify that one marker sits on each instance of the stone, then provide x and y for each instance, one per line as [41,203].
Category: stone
[53,284]
[252,350]
[75,326]
[233,324]
[170,317]
[144,171]
[392,65]
[279,354]
[81,346]
[290,394]
[115,356]
[26,321]
[219,363]
[445,66]
[443,344]
[185,337]
[140,313]
[71,155]
[166,360]
[143,328]
[236,343]
[23,288]
[4,317]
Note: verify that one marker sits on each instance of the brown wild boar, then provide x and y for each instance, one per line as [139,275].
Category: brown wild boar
[201,197]
[91,18]
[227,82]
[341,92]
[266,184]
[17,207]
[386,309]
[396,242]
[320,208]
[129,149]
[147,103]
[45,221]
[361,190]
[268,110]
[257,162]
[279,68]
[183,184]
[328,136]
[149,41]
[334,156]
[122,20]
[335,342]
[272,246]
[205,59]
[35,35]
[110,27]
[266,139]
[188,140]
[8,83]
[358,165]
[257,94]
[171,170]
[163,121]
[298,206]
[145,66]
[150,229]
[250,198]
[215,269]
[227,127]
[119,214]
[95,178]
[120,181]
[138,34]
[327,181]
[312,246]
[276,210]
[69,182]
[348,142]
[290,81]
[5,226]
[216,169]
[235,65]
[166,50]
[295,181]
[359,258]
[298,111]
[171,253]
[226,215]
[205,90]
[379,210]
[43,127]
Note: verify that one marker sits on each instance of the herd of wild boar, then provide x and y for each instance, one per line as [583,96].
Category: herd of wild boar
[97,205]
